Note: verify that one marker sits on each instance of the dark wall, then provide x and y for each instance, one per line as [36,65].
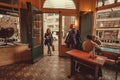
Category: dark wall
[85,24]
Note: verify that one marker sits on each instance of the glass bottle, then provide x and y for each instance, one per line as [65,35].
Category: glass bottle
[94,52]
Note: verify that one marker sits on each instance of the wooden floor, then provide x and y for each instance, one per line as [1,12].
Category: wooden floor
[48,68]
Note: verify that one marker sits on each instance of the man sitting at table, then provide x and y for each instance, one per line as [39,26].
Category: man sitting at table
[88,46]
[98,42]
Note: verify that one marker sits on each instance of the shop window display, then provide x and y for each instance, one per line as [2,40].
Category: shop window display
[9,22]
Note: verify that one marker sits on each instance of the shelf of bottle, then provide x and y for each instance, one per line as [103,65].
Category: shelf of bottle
[108,28]
[112,45]
[108,19]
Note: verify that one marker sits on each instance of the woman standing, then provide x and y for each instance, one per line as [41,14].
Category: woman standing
[48,40]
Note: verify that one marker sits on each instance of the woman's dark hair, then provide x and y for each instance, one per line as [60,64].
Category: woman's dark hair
[47,30]
[89,37]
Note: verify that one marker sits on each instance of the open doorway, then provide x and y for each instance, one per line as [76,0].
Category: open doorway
[51,21]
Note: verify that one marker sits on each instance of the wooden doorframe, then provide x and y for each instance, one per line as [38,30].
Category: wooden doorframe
[60,29]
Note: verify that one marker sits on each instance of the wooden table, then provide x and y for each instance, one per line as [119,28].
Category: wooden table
[84,59]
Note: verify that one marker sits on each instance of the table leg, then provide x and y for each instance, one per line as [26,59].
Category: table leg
[96,72]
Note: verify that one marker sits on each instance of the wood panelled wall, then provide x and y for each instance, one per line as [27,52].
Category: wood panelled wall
[87,5]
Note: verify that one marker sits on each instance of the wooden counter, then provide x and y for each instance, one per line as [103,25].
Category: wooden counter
[13,54]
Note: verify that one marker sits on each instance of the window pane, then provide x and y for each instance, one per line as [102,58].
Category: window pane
[106,2]
[13,2]
[100,3]
[118,0]
[116,8]
[66,4]
[66,22]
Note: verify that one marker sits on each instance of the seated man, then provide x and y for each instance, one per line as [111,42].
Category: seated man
[98,42]
[88,44]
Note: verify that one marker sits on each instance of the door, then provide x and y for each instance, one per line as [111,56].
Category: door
[35,32]
[66,21]
[37,40]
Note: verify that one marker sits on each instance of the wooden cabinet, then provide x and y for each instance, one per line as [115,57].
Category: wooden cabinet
[14,54]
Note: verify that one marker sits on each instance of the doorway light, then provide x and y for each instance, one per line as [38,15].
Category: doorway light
[61,4]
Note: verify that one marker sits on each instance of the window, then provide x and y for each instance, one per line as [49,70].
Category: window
[66,22]
[62,4]
[100,3]
[56,14]
[116,8]
[57,20]
[118,0]
[13,2]
[50,26]
[50,20]
[57,26]
[50,14]
[73,19]
[106,2]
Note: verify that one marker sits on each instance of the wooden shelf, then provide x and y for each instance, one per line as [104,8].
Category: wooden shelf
[108,28]
[108,19]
